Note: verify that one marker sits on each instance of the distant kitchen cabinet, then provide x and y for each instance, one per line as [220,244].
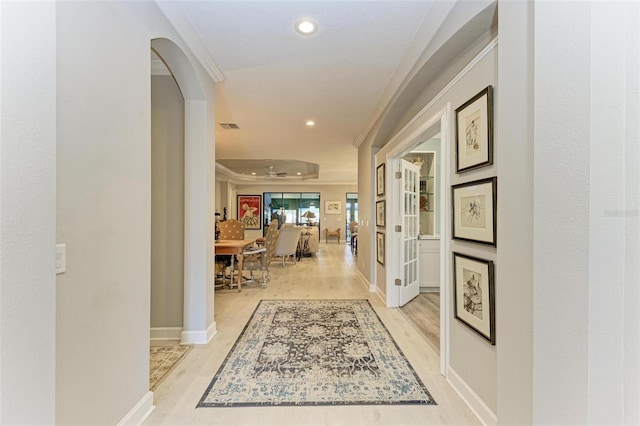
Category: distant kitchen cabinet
[428,194]
[429,264]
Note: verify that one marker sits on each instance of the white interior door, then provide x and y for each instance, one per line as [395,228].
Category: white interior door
[410,214]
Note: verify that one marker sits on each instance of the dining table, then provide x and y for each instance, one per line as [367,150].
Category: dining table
[237,248]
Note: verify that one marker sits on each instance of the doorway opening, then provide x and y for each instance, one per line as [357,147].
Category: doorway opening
[167,204]
[351,219]
[198,325]
[416,224]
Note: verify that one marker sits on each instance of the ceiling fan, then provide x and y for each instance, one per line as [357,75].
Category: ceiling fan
[273,174]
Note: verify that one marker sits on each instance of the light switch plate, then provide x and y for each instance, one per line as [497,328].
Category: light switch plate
[61,258]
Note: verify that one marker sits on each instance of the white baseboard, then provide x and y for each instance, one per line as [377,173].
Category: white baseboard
[139,412]
[198,337]
[477,405]
[211,331]
[381,295]
[166,333]
[364,281]
[434,288]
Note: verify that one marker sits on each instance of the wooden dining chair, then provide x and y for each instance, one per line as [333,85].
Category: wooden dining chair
[331,234]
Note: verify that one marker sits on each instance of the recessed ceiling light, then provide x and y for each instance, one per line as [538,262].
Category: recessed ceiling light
[253,173]
[299,174]
[306,26]
[310,123]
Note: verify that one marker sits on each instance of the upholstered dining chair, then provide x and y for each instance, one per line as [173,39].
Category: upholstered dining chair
[231,229]
[331,234]
[287,243]
[260,261]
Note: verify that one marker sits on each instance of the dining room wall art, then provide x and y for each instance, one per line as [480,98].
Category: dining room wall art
[250,211]
[332,207]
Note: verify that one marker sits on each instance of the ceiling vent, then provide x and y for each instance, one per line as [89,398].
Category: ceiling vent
[229,126]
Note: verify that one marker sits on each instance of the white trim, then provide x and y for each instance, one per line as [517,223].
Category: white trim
[225,174]
[198,337]
[417,56]
[479,408]
[211,331]
[181,22]
[165,333]
[445,238]
[159,68]
[381,295]
[139,412]
[492,44]
[364,281]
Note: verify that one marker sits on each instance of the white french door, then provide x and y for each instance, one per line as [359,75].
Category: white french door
[410,214]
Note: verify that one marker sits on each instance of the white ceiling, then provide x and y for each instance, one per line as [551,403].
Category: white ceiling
[276,79]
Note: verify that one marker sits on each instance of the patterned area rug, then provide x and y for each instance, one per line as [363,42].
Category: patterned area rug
[315,352]
[162,359]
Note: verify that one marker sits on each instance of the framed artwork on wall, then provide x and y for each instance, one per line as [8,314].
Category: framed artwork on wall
[380,180]
[380,214]
[250,211]
[380,248]
[474,132]
[474,295]
[474,211]
[332,207]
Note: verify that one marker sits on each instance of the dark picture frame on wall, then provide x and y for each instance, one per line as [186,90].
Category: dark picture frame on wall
[250,211]
[380,213]
[474,211]
[474,294]
[380,247]
[474,132]
[380,180]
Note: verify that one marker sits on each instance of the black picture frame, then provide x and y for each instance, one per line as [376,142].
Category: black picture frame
[474,294]
[380,213]
[380,180]
[474,132]
[380,247]
[474,211]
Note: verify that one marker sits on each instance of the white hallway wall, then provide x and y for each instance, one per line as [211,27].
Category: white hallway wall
[27,212]
[104,208]
[566,282]
[586,218]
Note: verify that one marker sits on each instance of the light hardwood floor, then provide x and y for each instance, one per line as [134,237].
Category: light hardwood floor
[424,313]
[329,275]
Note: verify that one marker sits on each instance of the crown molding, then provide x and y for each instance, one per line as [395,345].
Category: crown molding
[225,174]
[176,16]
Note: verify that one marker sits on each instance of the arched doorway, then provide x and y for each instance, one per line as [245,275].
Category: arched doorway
[198,325]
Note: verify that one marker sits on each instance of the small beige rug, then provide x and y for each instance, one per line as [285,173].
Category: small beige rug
[162,360]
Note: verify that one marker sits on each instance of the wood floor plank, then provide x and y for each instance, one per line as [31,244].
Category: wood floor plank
[329,275]
[424,313]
